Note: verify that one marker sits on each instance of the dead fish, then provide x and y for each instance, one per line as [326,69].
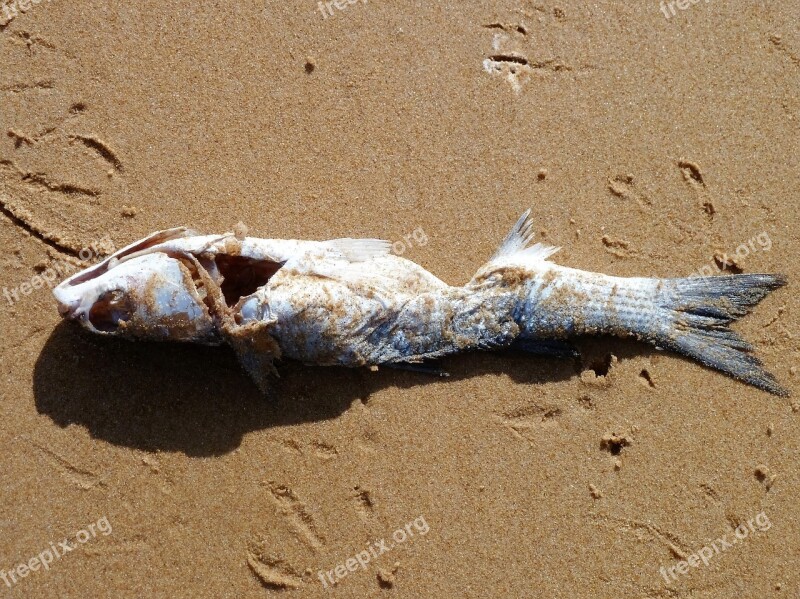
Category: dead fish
[349,302]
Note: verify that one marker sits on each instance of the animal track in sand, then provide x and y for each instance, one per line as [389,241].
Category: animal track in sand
[292,446]
[764,475]
[42,182]
[21,218]
[587,401]
[677,547]
[297,514]
[99,146]
[33,42]
[691,173]
[55,171]
[15,88]
[624,187]
[777,42]
[273,571]
[710,493]
[52,134]
[324,451]
[18,193]
[366,508]
[694,178]
[543,13]
[80,477]
[510,28]
[599,365]
[528,417]
[618,247]
[36,201]
[509,57]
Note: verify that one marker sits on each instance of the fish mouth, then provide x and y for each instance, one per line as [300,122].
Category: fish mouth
[68,310]
[69,302]
[103,316]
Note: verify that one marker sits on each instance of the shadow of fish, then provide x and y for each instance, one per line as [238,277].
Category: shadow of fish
[350,302]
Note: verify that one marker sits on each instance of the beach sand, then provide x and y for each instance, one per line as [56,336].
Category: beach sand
[647,144]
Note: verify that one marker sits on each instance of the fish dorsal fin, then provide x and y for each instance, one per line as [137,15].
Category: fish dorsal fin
[361,250]
[518,239]
[538,251]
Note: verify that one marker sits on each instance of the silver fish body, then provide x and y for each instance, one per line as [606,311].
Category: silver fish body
[349,302]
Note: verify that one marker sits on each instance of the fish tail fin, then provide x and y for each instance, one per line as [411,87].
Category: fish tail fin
[702,308]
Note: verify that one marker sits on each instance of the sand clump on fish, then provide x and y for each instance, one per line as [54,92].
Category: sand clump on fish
[350,302]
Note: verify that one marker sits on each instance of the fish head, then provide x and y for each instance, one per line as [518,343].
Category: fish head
[155,295]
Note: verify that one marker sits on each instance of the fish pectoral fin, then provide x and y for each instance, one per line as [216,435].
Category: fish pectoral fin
[259,366]
[518,242]
[256,351]
[552,348]
[361,250]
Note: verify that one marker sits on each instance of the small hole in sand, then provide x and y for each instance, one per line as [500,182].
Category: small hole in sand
[601,365]
[614,443]
[646,378]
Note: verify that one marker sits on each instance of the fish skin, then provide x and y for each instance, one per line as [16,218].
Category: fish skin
[349,302]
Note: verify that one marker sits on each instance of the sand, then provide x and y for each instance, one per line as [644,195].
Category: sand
[647,144]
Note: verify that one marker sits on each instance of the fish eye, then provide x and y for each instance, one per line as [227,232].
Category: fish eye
[109,311]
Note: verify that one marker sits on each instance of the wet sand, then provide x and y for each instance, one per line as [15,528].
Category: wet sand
[647,143]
